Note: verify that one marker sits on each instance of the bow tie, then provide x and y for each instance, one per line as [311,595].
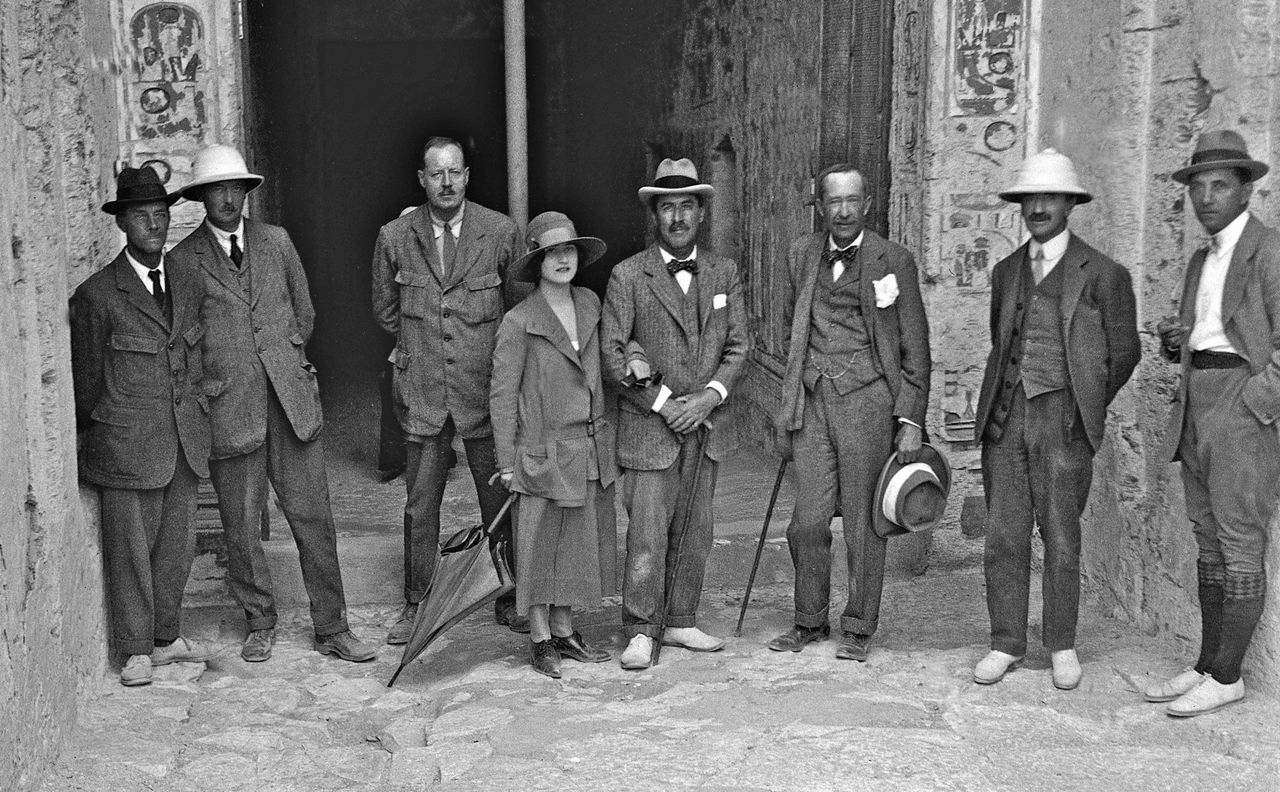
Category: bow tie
[846,256]
[689,264]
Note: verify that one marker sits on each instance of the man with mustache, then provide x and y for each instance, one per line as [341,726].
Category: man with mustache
[1064,339]
[440,285]
[855,391]
[679,310]
[264,405]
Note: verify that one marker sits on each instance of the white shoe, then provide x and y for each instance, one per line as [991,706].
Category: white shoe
[639,653]
[1066,669]
[182,650]
[992,668]
[1207,696]
[1170,689]
[691,638]
[136,671]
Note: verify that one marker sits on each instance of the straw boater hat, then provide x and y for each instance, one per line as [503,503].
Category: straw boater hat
[1047,172]
[218,164]
[1221,148]
[675,176]
[911,497]
[138,185]
[548,230]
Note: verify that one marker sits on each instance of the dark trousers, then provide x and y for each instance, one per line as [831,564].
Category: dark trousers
[838,453]
[297,472]
[1038,473]
[391,445]
[148,545]
[426,470]
[655,502]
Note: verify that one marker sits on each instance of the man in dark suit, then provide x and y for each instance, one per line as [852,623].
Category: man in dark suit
[135,356]
[1064,339]
[440,285]
[856,390]
[264,404]
[679,310]
[1223,425]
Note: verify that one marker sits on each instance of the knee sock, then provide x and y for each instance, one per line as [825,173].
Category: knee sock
[1211,579]
[1242,605]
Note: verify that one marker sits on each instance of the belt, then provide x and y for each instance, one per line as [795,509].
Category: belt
[1205,359]
[580,430]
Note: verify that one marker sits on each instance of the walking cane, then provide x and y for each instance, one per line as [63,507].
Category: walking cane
[764,531]
[703,431]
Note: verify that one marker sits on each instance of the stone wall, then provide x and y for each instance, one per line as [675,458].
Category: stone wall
[57,138]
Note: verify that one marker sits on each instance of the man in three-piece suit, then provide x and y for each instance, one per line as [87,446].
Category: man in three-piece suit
[135,356]
[1064,339]
[855,391]
[679,310]
[264,404]
[1223,426]
[440,285]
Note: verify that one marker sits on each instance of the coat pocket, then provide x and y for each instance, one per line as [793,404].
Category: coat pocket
[483,300]
[305,369]
[136,366]
[413,293]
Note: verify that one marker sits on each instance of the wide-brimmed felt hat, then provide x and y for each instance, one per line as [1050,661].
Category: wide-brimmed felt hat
[215,164]
[911,497]
[138,185]
[675,176]
[548,230]
[1047,172]
[1221,148]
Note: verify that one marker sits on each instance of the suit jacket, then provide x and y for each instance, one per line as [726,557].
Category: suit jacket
[540,392]
[137,377]
[1099,328]
[1251,318]
[444,323]
[899,332]
[255,341]
[643,312]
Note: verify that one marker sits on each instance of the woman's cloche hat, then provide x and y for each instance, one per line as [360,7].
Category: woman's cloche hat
[548,230]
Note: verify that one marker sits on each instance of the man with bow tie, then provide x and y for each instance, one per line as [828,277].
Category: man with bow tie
[1064,339]
[674,310]
[856,390]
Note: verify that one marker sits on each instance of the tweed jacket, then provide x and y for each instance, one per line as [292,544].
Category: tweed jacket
[539,381]
[899,332]
[1251,318]
[256,340]
[643,313]
[137,376]
[444,323]
[1099,329]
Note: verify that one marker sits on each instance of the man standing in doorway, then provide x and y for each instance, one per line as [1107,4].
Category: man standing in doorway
[856,389]
[1064,340]
[1223,425]
[678,310]
[440,285]
[264,404]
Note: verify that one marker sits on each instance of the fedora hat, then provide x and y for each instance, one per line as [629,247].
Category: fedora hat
[1221,148]
[911,497]
[138,185]
[1047,172]
[548,230]
[215,164]
[676,176]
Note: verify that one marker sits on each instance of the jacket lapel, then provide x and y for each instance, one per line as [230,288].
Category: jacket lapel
[870,269]
[707,289]
[468,251]
[1238,270]
[128,282]
[1073,263]
[546,324]
[255,251]
[588,322]
[1191,285]
[426,236]
[664,287]
[209,254]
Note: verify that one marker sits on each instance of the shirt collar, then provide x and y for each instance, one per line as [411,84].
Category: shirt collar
[1227,238]
[667,258]
[224,237]
[455,222]
[831,243]
[143,269]
[1054,249]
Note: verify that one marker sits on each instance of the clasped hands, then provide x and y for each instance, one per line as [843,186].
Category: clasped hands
[1172,334]
[684,413]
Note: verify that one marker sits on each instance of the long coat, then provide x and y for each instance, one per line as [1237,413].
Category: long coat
[899,332]
[1251,319]
[444,323]
[541,387]
[255,340]
[137,376]
[1099,328]
[643,306]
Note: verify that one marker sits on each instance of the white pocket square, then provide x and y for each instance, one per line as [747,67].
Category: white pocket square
[719,301]
[886,290]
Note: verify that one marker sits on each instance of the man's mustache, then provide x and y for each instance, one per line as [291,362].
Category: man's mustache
[678,225]
[1037,217]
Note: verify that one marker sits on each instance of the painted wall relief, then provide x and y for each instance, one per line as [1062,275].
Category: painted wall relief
[165,92]
[987,56]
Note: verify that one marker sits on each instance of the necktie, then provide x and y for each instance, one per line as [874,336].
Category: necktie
[157,286]
[450,250]
[689,265]
[237,255]
[1038,265]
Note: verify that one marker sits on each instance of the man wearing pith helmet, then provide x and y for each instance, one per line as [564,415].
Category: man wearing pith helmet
[1064,340]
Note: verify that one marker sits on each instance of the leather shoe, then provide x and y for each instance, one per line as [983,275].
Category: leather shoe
[573,647]
[346,646]
[691,638]
[403,628]
[992,668]
[544,658]
[853,647]
[1206,697]
[257,647]
[181,650]
[504,613]
[639,653]
[1170,689]
[798,637]
[1066,669]
[136,671]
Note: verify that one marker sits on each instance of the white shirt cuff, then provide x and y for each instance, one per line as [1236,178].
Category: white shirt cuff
[720,389]
[664,393]
[908,421]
